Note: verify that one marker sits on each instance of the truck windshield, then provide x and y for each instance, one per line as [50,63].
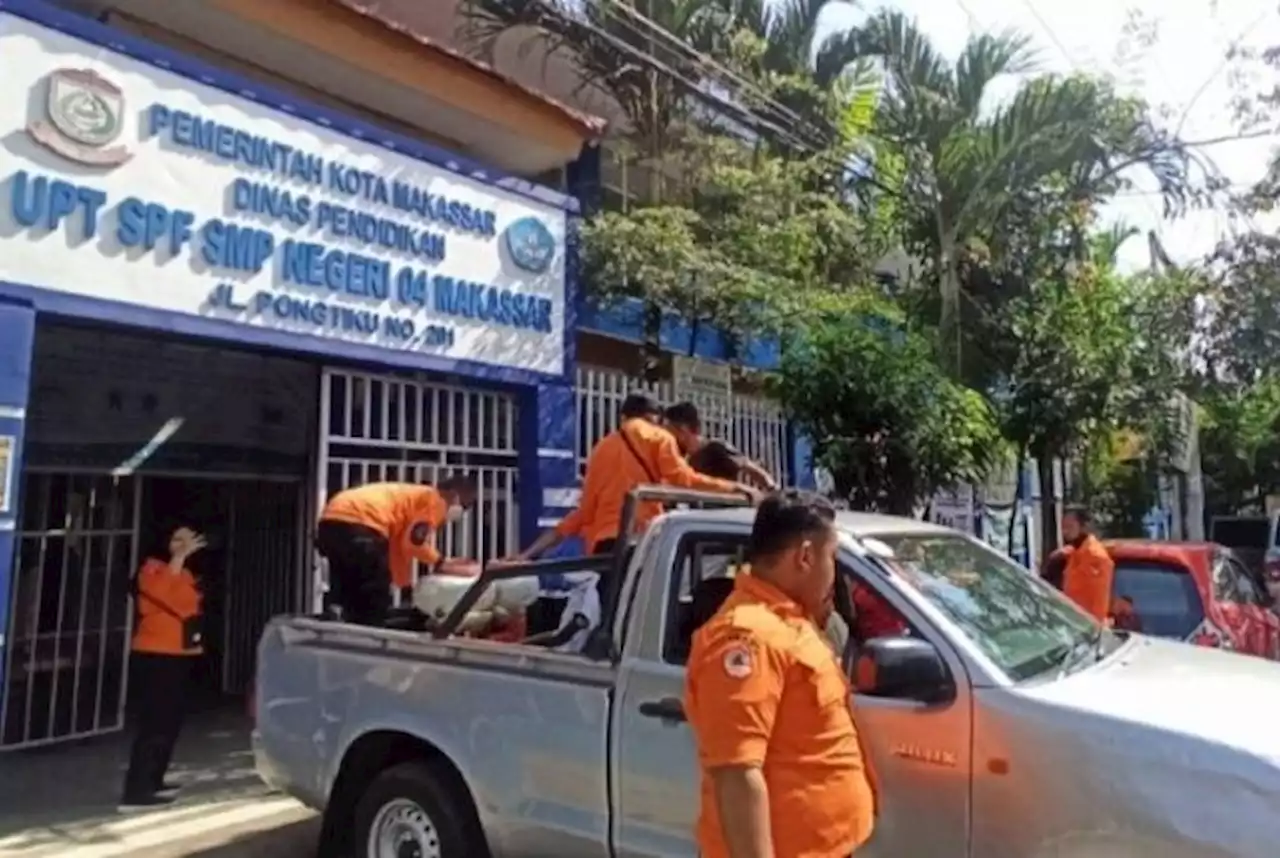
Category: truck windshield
[1022,624]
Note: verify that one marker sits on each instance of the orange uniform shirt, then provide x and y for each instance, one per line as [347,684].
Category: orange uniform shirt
[395,510]
[1088,577]
[764,688]
[165,599]
[613,471]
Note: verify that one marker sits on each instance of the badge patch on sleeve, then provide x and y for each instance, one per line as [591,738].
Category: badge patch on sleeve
[419,533]
[738,662]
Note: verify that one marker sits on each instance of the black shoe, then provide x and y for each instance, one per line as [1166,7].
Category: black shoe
[144,802]
[168,788]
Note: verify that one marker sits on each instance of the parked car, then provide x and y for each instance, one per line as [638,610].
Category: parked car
[1012,724]
[1197,592]
[1255,541]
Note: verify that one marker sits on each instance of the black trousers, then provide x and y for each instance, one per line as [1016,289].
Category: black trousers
[359,571]
[161,685]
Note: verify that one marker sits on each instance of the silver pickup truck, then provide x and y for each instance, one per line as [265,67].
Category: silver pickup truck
[1002,723]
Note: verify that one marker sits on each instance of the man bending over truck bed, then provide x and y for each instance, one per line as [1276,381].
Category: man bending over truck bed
[372,534]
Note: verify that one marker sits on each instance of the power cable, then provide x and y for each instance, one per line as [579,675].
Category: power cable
[1218,69]
[705,61]
[752,120]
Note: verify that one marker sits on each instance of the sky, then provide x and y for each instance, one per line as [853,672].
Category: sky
[1183,74]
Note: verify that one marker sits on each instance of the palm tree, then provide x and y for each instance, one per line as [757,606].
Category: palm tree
[810,65]
[967,167]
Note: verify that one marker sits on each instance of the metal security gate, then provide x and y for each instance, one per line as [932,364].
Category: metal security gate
[70,608]
[265,529]
[754,424]
[383,428]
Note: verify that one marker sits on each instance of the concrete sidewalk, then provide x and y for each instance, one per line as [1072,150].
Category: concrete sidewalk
[62,802]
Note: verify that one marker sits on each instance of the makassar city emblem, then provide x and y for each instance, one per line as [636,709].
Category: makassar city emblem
[84,115]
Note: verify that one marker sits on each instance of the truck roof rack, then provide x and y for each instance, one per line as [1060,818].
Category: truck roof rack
[600,644]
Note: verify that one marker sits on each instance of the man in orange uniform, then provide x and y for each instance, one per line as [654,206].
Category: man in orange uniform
[1090,571]
[372,534]
[166,643]
[782,767]
[640,452]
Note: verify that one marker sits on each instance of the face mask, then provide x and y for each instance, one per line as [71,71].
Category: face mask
[455,512]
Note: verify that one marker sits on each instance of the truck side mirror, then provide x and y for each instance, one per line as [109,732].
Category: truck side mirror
[904,668]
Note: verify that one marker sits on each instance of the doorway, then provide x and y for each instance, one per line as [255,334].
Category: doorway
[248,572]
[205,506]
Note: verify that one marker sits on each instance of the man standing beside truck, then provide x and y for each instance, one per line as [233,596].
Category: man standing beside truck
[1090,572]
[783,773]
[372,534]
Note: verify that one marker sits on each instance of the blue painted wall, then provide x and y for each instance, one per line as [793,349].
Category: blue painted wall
[17,333]
[624,321]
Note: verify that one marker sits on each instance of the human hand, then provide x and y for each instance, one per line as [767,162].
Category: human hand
[753,494]
[505,562]
[187,543]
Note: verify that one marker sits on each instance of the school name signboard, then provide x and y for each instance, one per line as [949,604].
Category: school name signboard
[124,182]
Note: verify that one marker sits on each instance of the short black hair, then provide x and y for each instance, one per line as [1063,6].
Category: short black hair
[685,414]
[787,517]
[639,405]
[463,484]
[1080,513]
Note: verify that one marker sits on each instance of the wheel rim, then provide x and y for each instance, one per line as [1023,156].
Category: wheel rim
[402,829]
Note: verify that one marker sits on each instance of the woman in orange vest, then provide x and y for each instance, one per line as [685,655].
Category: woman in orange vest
[372,534]
[167,640]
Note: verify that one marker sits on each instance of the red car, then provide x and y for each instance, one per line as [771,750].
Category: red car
[1194,591]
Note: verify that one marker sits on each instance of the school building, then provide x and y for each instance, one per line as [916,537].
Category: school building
[253,253]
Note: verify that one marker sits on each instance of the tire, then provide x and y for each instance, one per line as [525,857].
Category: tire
[425,807]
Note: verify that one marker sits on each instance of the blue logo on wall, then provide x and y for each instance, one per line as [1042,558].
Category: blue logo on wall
[531,245]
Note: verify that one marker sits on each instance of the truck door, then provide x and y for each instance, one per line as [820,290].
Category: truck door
[655,780]
[921,754]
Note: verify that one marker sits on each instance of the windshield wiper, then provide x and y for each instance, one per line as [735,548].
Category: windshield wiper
[1089,650]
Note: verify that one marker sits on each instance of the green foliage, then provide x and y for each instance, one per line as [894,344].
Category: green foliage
[1036,166]
[885,420]
[1241,340]
[744,236]
[1092,354]
[1240,445]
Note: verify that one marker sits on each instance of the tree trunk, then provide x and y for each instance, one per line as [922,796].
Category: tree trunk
[949,327]
[1048,506]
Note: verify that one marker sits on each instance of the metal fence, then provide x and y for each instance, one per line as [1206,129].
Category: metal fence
[386,428]
[753,424]
[70,608]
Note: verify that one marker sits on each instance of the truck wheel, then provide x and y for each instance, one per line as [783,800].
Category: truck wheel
[409,812]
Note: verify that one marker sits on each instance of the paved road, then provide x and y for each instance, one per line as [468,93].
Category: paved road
[290,834]
[262,827]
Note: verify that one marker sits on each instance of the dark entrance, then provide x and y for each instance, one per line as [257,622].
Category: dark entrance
[204,505]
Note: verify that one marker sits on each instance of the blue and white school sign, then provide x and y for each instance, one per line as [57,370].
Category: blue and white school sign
[126,183]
